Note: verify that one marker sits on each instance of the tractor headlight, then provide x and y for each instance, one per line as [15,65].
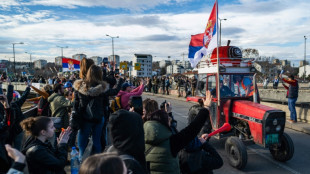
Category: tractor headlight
[278,128]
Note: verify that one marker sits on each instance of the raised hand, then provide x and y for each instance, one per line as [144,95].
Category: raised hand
[16,155]
[64,135]
[207,100]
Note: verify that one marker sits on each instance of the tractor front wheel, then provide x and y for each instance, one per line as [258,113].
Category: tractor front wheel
[236,152]
[285,150]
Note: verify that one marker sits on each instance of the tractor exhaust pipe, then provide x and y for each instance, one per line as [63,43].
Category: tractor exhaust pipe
[255,93]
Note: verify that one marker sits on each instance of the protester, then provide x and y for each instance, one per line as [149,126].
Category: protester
[41,157]
[127,91]
[198,157]
[149,106]
[68,86]
[186,86]
[163,84]
[105,163]
[167,85]
[194,85]
[43,104]
[159,140]
[88,111]
[292,95]
[275,82]
[59,108]
[155,85]
[128,139]
[14,116]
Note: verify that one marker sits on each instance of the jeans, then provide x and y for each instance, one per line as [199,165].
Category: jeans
[291,107]
[83,136]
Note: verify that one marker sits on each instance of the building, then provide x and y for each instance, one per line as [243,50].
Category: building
[185,64]
[146,65]
[97,60]
[303,70]
[174,62]
[39,63]
[175,69]
[285,62]
[303,63]
[79,57]
[117,59]
[164,63]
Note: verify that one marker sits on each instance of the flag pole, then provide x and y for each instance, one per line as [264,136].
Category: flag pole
[218,61]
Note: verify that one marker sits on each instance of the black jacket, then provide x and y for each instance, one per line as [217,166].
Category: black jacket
[128,138]
[82,96]
[15,115]
[200,161]
[43,158]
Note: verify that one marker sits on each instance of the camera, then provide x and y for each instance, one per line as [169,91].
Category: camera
[162,105]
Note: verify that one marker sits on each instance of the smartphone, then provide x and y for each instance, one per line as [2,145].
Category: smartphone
[136,102]
[116,71]
[105,60]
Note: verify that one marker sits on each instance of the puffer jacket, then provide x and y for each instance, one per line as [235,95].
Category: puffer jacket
[43,158]
[59,108]
[82,96]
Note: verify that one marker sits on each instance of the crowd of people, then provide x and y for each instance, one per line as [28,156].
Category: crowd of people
[140,136]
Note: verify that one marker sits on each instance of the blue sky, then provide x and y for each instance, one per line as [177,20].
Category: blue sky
[161,28]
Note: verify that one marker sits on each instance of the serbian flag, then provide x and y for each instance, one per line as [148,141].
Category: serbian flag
[70,64]
[203,44]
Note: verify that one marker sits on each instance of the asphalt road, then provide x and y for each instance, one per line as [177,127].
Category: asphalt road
[259,159]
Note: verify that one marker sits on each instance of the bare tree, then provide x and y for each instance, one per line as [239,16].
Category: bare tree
[250,53]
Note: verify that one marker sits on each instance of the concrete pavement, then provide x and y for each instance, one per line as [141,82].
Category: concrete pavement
[299,126]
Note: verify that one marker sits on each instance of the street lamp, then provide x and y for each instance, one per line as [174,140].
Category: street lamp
[305,61]
[221,30]
[30,59]
[62,53]
[113,48]
[14,54]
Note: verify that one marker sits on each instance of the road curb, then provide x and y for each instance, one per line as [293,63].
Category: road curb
[293,126]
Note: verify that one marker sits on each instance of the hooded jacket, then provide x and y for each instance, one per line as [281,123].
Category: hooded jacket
[128,138]
[58,106]
[125,96]
[43,158]
[82,96]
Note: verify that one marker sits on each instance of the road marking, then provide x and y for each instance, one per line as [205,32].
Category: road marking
[273,161]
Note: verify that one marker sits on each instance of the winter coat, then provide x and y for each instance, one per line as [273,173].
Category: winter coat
[82,96]
[59,108]
[15,115]
[41,157]
[201,159]
[157,149]
[125,96]
[128,138]
[179,140]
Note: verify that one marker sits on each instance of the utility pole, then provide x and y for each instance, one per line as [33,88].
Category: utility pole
[221,30]
[14,55]
[113,49]
[183,54]
[62,53]
[30,59]
[305,61]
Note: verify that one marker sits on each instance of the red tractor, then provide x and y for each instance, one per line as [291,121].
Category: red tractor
[235,100]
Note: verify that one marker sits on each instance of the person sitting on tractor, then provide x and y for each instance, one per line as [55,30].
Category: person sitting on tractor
[224,91]
[245,86]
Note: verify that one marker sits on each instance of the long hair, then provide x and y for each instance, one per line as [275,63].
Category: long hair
[160,116]
[94,76]
[84,66]
[34,125]
[102,164]
[150,106]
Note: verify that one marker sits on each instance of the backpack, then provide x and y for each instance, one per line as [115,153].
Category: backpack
[94,111]
[116,104]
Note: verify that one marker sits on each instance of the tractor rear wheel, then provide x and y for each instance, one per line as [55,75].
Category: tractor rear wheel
[236,152]
[285,151]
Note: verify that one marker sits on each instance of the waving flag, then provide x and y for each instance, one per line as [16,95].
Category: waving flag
[203,44]
[70,64]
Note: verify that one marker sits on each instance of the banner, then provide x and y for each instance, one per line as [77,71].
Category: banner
[70,64]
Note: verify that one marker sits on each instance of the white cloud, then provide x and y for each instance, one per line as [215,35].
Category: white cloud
[275,28]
